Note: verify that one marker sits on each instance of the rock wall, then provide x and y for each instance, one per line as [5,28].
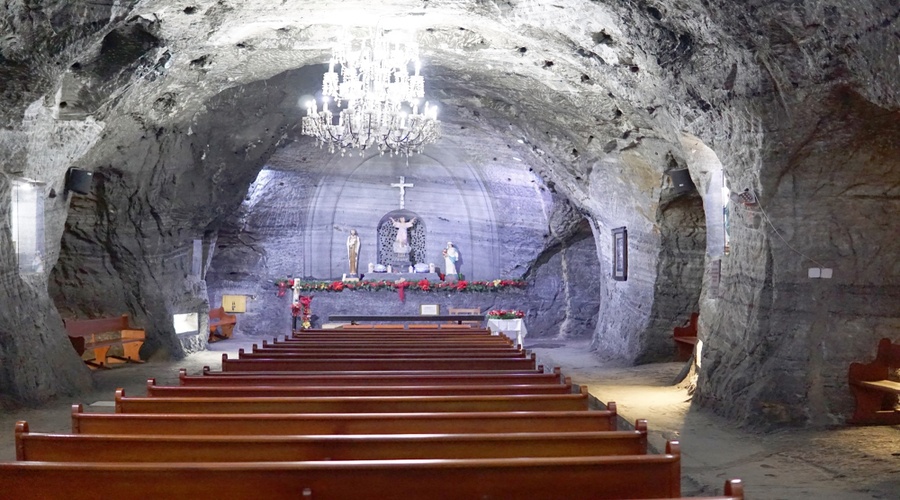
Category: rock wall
[152,198]
[37,360]
[785,341]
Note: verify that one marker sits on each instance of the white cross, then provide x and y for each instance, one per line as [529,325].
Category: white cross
[402,187]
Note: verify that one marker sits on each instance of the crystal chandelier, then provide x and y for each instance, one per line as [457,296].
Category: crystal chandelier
[381,97]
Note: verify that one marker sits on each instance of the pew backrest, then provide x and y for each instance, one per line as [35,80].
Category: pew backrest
[571,478]
[209,378]
[432,364]
[298,448]
[245,391]
[329,423]
[353,404]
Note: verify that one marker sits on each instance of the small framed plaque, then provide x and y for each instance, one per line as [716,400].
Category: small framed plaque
[234,303]
[429,310]
[620,254]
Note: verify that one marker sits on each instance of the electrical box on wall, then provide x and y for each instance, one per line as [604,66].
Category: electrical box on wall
[234,303]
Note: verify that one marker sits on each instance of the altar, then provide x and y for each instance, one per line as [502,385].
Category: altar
[509,327]
[405,276]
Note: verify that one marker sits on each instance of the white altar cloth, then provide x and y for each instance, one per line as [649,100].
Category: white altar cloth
[510,327]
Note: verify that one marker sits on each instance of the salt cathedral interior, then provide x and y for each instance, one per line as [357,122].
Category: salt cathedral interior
[689,207]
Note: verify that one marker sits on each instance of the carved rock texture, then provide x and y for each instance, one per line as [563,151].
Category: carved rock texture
[177,108]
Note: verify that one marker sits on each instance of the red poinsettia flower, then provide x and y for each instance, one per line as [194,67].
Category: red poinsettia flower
[424,285]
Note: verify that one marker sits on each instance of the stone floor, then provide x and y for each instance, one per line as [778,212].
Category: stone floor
[835,464]
[846,463]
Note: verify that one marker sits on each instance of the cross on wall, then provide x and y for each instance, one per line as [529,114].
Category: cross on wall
[402,185]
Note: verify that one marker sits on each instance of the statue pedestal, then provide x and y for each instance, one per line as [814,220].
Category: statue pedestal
[350,278]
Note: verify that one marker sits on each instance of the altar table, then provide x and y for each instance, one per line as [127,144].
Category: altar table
[510,327]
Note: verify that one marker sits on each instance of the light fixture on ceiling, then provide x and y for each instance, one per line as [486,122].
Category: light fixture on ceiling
[381,99]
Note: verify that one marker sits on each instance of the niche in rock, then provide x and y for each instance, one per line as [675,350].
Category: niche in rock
[683,239]
[389,251]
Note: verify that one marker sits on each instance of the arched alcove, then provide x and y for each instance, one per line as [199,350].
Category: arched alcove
[447,193]
[387,234]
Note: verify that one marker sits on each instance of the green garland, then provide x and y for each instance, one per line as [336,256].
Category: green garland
[423,285]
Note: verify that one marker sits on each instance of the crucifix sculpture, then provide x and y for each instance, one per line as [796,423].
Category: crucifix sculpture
[402,185]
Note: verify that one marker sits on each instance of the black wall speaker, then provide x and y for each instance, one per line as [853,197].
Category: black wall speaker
[79,181]
[681,180]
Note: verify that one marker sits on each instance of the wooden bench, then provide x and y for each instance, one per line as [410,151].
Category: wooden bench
[876,395]
[246,391]
[351,379]
[498,341]
[458,311]
[351,354]
[377,348]
[430,364]
[363,351]
[570,478]
[97,335]
[398,336]
[367,404]
[375,332]
[297,448]
[338,424]
[219,320]
[685,338]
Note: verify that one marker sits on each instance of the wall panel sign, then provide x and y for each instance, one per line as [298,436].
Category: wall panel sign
[234,303]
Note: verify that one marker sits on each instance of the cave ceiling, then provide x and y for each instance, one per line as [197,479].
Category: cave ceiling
[568,82]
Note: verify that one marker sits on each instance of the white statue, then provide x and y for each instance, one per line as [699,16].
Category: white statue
[401,245]
[451,255]
[353,251]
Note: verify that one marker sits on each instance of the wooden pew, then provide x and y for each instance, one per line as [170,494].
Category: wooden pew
[350,423]
[367,404]
[876,395]
[431,364]
[219,319]
[367,329]
[246,391]
[93,334]
[409,334]
[351,379]
[298,448]
[493,342]
[685,338]
[351,354]
[403,338]
[444,332]
[570,478]
[381,348]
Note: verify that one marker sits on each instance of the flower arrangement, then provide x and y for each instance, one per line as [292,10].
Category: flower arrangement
[302,310]
[283,285]
[502,314]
